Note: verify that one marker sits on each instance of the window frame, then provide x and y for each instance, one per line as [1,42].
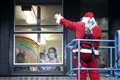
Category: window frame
[24,65]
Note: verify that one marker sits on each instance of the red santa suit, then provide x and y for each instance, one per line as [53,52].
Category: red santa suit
[88,60]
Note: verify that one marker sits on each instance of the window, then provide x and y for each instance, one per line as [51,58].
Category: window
[38,40]
[33,50]
[104,53]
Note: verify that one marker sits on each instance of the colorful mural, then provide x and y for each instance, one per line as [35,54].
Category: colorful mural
[30,47]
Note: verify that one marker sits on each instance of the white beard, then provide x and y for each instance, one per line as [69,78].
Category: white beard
[86,19]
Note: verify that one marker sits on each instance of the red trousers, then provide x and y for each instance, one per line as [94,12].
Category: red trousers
[87,61]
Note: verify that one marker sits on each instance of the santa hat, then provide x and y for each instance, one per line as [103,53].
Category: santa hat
[89,14]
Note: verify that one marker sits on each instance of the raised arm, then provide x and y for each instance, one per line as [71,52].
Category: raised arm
[67,23]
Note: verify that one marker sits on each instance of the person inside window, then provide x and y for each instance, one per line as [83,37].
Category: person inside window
[42,60]
[52,58]
[42,57]
[20,57]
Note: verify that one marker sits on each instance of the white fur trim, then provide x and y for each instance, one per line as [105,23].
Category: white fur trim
[86,19]
[58,17]
[86,51]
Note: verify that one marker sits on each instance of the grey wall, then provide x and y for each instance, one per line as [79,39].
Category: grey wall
[6,25]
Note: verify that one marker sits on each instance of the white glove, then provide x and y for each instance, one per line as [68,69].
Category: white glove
[58,17]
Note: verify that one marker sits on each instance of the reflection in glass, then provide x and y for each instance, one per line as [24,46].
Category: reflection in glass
[42,28]
[38,48]
[104,53]
[45,14]
[32,52]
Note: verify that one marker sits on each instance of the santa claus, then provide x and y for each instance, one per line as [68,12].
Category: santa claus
[86,28]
